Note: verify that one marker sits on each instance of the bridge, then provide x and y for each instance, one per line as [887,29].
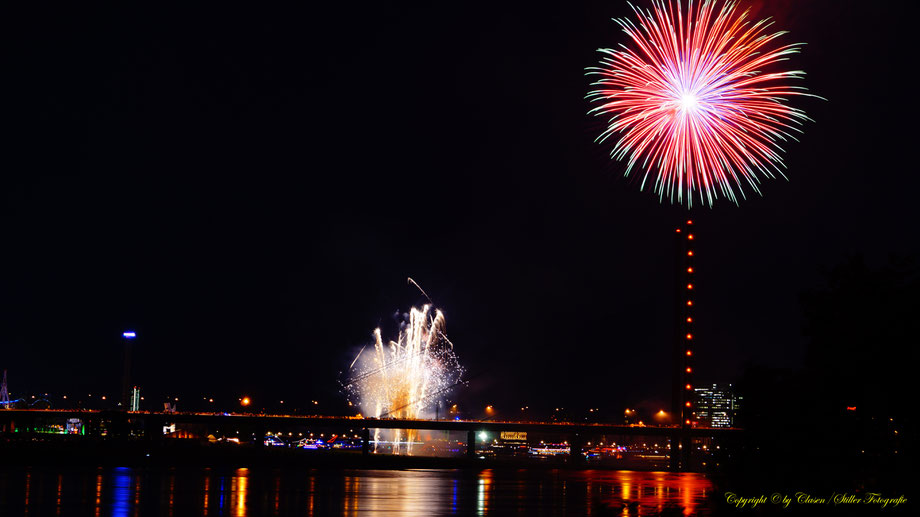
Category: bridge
[681,434]
[576,433]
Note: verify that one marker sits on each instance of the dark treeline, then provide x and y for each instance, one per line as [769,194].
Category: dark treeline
[846,421]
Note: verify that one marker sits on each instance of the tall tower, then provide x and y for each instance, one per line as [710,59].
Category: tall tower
[4,393]
[682,385]
[129,336]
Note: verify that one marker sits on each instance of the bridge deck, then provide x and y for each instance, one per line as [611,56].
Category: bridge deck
[268,421]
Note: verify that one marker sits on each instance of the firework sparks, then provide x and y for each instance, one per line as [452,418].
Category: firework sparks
[698,100]
[407,377]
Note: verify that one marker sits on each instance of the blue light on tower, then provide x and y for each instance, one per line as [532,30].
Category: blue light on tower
[129,334]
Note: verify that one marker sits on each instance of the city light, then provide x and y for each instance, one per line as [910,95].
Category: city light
[129,334]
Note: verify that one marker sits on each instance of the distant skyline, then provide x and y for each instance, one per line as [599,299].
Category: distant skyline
[248,190]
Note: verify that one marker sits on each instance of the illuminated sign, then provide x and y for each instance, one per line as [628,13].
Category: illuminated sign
[512,435]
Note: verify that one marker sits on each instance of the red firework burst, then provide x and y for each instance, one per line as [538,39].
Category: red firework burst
[698,100]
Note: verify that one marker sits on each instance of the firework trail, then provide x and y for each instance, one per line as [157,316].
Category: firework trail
[407,377]
[699,99]
[413,282]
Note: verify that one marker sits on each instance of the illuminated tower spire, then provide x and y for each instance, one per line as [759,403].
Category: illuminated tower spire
[684,336]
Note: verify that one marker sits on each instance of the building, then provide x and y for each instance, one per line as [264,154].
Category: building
[717,406]
[135,399]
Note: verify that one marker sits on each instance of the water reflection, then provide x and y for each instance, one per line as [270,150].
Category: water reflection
[207,492]
[172,494]
[485,485]
[119,492]
[242,483]
[28,491]
[137,495]
[99,493]
[57,501]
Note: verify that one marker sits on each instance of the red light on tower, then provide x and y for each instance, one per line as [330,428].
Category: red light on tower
[689,336]
[689,270]
[689,353]
[689,286]
[690,253]
[690,237]
[688,369]
[689,222]
[689,303]
[689,320]
[688,403]
[678,230]
[688,386]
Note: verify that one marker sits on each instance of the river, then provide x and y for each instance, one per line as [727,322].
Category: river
[176,492]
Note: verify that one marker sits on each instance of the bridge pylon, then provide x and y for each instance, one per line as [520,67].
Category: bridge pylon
[684,305]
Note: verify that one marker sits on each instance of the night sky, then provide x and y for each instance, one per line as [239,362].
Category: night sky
[249,190]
